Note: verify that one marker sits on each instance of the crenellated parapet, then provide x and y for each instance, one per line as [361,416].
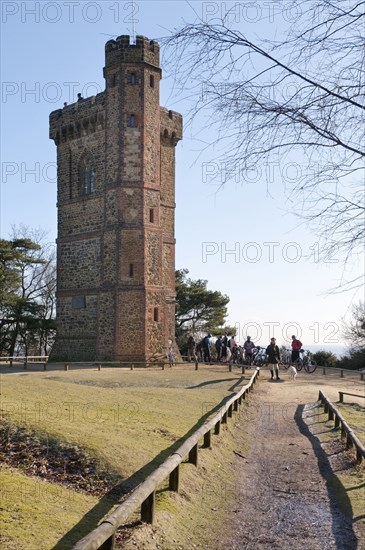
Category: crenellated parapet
[122,51]
[171,125]
[82,118]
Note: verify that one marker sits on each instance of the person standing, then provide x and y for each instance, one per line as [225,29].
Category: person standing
[206,349]
[218,347]
[296,346]
[248,346]
[191,349]
[273,358]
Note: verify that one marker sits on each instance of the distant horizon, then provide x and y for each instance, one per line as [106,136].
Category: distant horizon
[338,349]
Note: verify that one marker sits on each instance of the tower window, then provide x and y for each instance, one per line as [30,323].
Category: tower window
[131,270]
[155,314]
[152,215]
[132,121]
[88,176]
[152,81]
[133,79]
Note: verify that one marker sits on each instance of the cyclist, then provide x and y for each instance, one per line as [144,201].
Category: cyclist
[296,346]
[249,346]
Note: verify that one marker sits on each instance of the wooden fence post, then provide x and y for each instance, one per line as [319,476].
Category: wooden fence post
[26,362]
[99,367]
[109,544]
[208,439]
[230,408]
[196,365]
[330,413]
[341,373]
[66,366]
[243,369]
[324,370]
[217,428]
[193,455]
[235,405]
[148,508]
[224,418]
[174,480]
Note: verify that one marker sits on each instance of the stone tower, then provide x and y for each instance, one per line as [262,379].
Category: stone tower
[116,202]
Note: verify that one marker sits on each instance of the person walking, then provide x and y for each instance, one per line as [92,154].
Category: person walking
[273,358]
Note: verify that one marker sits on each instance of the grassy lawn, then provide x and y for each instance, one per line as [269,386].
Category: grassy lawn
[35,514]
[354,414]
[127,420]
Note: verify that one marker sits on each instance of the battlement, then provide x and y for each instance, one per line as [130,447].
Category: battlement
[122,51]
[78,119]
[171,124]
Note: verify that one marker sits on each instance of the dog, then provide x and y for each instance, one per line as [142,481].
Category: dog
[292,373]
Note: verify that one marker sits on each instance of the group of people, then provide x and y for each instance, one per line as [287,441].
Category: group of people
[227,350]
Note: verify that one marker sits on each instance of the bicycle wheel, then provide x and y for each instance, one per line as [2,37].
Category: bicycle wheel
[310,366]
[298,364]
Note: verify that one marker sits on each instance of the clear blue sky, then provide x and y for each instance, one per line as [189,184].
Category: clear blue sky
[53,50]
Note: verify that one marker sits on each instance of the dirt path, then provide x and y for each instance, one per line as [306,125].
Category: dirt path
[283,498]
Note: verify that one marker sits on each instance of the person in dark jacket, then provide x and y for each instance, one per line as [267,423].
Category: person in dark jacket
[273,358]
[206,349]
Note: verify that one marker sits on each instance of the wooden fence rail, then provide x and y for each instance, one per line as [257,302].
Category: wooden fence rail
[334,414]
[25,359]
[102,537]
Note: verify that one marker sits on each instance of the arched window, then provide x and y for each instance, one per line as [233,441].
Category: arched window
[87,175]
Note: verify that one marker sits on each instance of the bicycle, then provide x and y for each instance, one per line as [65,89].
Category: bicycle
[287,359]
[259,357]
[305,360]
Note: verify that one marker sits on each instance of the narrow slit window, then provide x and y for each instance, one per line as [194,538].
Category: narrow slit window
[87,176]
[155,314]
[133,79]
[152,215]
[132,121]
[152,81]
[131,271]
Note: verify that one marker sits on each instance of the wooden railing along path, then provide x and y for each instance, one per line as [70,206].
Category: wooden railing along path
[334,414]
[143,496]
[25,360]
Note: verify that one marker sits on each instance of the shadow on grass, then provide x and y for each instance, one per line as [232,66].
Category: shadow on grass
[340,504]
[118,493]
[210,382]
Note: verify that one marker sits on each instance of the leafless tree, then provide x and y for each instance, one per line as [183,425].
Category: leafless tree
[353,329]
[273,102]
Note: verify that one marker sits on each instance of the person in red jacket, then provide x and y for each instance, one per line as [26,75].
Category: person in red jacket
[296,345]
